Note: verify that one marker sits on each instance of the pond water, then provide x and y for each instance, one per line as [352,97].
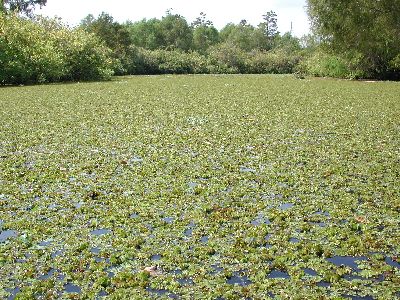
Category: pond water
[278,274]
[156,257]
[237,279]
[7,234]
[72,288]
[350,261]
[100,231]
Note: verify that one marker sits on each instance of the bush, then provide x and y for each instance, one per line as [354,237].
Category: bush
[272,62]
[226,58]
[44,50]
[167,62]
[328,65]
[86,58]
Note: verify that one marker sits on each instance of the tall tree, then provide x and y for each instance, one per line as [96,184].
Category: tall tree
[242,35]
[176,32]
[365,29]
[116,36]
[269,28]
[146,34]
[202,20]
[204,33]
[21,6]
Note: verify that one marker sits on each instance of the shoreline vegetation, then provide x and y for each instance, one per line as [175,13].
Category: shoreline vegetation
[35,49]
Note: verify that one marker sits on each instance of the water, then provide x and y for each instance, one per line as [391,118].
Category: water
[246,170]
[168,220]
[185,281]
[349,261]
[324,284]
[192,185]
[320,224]
[261,219]
[351,277]
[237,279]
[95,250]
[136,159]
[322,213]
[100,231]
[358,297]
[272,196]
[45,243]
[267,238]
[102,294]
[310,272]
[392,263]
[216,269]
[188,232]
[161,292]
[176,272]
[134,216]
[278,274]
[5,235]
[286,206]
[294,240]
[48,274]
[155,257]
[57,253]
[71,288]
[13,293]
[204,239]
[78,205]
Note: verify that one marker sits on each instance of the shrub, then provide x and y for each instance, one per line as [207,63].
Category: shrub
[274,61]
[27,52]
[328,65]
[86,58]
[167,62]
[226,58]
[44,50]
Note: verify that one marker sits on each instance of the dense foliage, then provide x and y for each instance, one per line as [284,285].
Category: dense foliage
[233,187]
[20,6]
[363,42]
[171,45]
[365,33]
[44,50]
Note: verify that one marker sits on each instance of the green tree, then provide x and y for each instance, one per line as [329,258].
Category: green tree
[204,33]
[287,42]
[116,37]
[242,35]
[269,28]
[20,6]
[176,32]
[146,34]
[204,36]
[365,31]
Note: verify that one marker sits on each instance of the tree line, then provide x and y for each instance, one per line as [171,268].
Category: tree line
[361,43]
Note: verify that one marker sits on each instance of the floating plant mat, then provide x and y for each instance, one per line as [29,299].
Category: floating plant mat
[214,187]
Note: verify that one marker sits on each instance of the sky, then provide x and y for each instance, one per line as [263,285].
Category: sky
[220,12]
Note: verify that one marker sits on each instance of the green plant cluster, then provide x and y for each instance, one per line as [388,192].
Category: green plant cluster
[44,50]
[220,59]
[363,33]
[221,186]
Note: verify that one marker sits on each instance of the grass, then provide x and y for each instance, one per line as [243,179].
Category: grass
[227,186]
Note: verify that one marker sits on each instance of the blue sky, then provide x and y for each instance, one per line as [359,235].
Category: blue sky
[220,12]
